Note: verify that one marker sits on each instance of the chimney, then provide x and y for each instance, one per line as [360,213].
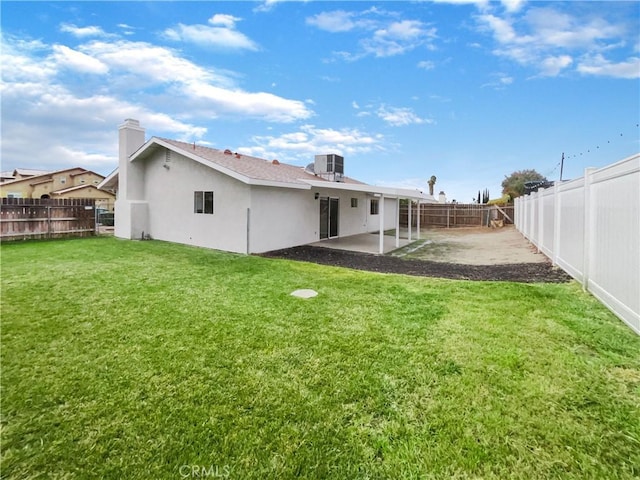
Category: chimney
[442,198]
[131,138]
[131,209]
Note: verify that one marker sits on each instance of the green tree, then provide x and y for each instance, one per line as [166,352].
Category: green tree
[513,185]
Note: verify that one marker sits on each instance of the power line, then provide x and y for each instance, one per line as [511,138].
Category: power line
[612,139]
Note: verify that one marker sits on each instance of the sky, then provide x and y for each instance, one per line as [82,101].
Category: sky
[466,90]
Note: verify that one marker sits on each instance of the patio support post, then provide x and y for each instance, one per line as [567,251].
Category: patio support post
[398,222]
[418,220]
[410,204]
[381,212]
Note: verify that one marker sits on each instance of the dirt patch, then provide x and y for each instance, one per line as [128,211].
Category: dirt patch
[473,246]
[462,254]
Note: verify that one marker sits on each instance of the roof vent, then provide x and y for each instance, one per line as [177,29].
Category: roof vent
[228,152]
[310,169]
[238,155]
[275,162]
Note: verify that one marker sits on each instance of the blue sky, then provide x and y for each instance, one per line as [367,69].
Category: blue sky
[468,91]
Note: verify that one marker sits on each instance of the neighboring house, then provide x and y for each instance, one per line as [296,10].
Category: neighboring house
[19,174]
[69,183]
[187,193]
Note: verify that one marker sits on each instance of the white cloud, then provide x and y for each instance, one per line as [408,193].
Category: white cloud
[205,91]
[267,5]
[301,146]
[600,66]
[220,34]
[228,21]
[548,40]
[513,5]
[382,34]
[399,117]
[78,61]
[336,21]
[398,38]
[73,118]
[22,63]
[552,66]
[82,32]
[426,65]
[500,82]
[253,104]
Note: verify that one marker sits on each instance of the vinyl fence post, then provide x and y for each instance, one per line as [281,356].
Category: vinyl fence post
[557,212]
[588,221]
[540,208]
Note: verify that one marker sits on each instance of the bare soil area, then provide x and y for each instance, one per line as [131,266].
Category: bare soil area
[463,254]
[473,246]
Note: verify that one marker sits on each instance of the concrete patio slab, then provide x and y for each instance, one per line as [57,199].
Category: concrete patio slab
[364,242]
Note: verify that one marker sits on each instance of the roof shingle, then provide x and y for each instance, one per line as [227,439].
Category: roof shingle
[251,167]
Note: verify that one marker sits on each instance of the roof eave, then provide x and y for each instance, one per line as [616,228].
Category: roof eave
[372,189]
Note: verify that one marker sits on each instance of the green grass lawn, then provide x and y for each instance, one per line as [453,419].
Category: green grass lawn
[136,360]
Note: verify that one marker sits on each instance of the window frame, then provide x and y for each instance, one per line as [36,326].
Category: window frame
[203,202]
[374,206]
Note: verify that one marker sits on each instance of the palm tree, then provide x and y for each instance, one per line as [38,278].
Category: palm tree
[431,182]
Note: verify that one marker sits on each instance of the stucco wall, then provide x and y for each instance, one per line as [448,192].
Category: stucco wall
[282,217]
[169,193]
[390,214]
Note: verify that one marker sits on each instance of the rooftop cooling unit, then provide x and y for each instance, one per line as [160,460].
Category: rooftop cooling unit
[329,166]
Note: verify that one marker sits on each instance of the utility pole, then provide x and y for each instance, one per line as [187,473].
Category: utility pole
[561,165]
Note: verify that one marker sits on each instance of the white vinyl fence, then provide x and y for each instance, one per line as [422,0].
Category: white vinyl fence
[590,227]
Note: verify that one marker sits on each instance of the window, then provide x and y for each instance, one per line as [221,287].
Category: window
[354,203]
[203,202]
[374,206]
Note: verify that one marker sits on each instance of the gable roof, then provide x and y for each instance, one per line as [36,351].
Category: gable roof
[246,168]
[10,175]
[255,171]
[47,176]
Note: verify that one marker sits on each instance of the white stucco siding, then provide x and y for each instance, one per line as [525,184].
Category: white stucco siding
[390,214]
[282,218]
[170,196]
[351,220]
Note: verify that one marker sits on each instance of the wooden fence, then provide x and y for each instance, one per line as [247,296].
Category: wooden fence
[32,218]
[456,215]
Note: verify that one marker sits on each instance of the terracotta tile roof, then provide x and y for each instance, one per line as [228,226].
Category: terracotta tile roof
[252,167]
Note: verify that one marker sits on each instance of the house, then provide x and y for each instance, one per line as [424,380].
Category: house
[20,173]
[191,194]
[68,183]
